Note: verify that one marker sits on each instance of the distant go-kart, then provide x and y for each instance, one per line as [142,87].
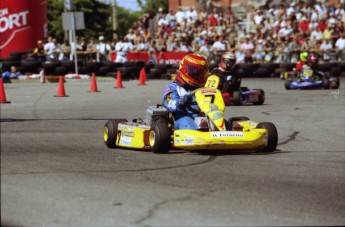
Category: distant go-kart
[310,81]
[242,95]
[157,132]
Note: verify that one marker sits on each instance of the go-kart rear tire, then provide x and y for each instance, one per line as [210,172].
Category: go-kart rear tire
[287,84]
[237,98]
[326,83]
[160,138]
[335,84]
[110,132]
[272,139]
[261,95]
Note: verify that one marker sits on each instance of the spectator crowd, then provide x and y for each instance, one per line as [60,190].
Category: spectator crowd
[276,33]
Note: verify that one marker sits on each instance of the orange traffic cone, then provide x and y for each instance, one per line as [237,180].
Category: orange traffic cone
[144,73]
[118,80]
[42,77]
[61,88]
[93,85]
[142,77]
[2,92]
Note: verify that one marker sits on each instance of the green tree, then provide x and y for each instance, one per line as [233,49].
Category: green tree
[97,18]
[153,5]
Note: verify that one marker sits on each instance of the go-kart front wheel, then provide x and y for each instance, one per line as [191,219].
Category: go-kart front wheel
[160,138]
[110,132]
[272,137]
[287,84]
[261,97]
[237,98]
[335,83]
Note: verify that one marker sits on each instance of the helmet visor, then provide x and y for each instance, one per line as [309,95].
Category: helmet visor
[197,72]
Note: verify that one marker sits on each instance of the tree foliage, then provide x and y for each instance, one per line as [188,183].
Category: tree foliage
[98,17]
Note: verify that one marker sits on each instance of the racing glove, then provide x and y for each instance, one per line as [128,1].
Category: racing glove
[185,100]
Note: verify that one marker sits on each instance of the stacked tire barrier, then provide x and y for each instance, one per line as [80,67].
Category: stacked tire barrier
[131,69]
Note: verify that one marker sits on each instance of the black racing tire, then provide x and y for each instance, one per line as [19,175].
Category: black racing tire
[272,140]
[335,84]
[110,132]
[160,138]
[261,95]
[237,98]
[287,84]
[326,84]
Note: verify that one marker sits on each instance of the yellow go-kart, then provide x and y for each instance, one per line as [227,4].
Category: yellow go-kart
[157,132]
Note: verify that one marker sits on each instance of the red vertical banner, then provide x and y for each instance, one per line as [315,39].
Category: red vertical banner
[22,23]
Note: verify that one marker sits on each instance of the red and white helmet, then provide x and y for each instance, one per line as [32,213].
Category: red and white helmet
[193,71]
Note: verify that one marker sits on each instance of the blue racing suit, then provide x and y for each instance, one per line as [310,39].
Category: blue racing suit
[183,115]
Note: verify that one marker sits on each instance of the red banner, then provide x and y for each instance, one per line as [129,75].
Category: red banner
[22,23]
[163,57]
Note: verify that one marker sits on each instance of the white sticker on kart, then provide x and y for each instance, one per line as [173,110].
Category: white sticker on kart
[189,141]
[227,134]
[125,141]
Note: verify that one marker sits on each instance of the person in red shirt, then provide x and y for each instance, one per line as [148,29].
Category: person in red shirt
[322,24]
[304,25]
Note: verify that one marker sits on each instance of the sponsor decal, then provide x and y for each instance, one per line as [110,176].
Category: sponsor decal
[125,140]
[22,23]
[213,107]
[144,126]
[121,127]
[128,134]
[177,141]
[227,134]
[217,116]
[189,141]
[222,124]
[203,91]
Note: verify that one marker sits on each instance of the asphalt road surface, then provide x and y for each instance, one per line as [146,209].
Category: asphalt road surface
[56,169]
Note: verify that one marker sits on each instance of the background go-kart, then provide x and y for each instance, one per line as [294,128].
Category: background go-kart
[56,169]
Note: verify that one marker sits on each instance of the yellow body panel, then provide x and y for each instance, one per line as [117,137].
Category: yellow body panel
[229,140]
[132,135]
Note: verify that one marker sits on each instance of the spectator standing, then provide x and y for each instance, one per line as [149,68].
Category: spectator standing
[65,51]
[248,49]
[91,51]
[316,34]
[269,50]
[180,15]
[326,50]
[39,52]
[191,14]
[340,47]
[294,48]
[103,50]
[259,51]
[49,48]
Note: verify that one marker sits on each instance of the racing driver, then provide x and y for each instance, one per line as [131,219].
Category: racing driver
[177,97]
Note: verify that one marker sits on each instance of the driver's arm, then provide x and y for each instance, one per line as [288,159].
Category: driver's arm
[173,101]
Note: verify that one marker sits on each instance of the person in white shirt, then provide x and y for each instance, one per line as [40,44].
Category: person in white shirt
[258,17]
[180,15]
[340,47]
[49,48]
[191,14]
[103,50]
[121,48]
[247,48]
[219,45]
[316,34]
[326,47]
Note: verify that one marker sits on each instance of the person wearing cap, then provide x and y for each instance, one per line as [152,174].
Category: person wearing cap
[39,52]
[103,50]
